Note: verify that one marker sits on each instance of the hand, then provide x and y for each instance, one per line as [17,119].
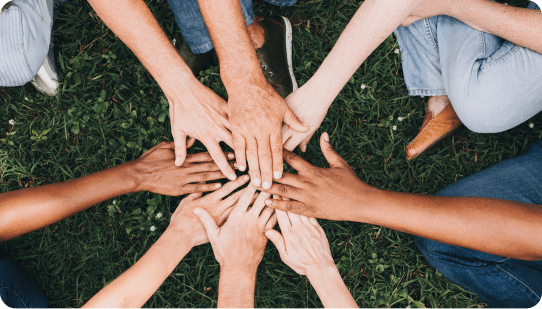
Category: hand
[201,114]
[303,244]
[183,218]
[156,172]
[256,114]
[329,193]
[310,112]
[426,9]
[240,243]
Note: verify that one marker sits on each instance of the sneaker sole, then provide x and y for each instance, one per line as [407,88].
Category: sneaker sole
[289,51]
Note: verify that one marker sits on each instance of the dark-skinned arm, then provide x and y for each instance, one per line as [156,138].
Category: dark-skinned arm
[26,210]
[495,226]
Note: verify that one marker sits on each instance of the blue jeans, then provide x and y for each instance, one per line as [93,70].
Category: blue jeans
[193,29]
[493,84]
[499,281]
[17,290]
[25,40]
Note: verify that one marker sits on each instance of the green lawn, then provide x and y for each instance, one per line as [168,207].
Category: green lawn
[110,110]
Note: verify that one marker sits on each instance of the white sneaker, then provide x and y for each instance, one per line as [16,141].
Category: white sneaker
[46,81]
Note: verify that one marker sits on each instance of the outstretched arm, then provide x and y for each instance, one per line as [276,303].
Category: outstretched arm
[374,21]
[520,26]
[304,247]
[194,109]
[495,226]
[135,286]
[26,210]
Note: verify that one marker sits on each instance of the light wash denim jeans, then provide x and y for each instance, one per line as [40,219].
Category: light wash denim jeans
[493,84]
[193,29]
[499,281]
[25,40]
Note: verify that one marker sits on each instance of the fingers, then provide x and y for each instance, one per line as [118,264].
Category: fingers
[276,152]
[296,161]
[204,176]
[180,149]
[266,162]
[314,222]
[290,206]
[253,164]
[239,148]
[303,145]
[208,222]
[220,159]
[277,239]
[230,187]
[190,198]
[199,187]
[190,142]
[198,157]
[244,201]
[259,204]
[207,166]
[332,157]
[285,191]
[265,216]
[284,221]
[291,120]
[271,222]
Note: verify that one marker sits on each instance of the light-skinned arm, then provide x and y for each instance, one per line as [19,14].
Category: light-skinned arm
[26,210]
[304,247]
[495,226]
[374,21]
[239,246]
[256,111]
[194,109]
[520,26]
[135,286]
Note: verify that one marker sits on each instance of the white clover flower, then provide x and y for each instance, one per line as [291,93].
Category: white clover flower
[12,122]
[174,41]
[400,118]
[394,128]
[25,98]
[531,125]
[396,51]
[114,202]
[363,86]
[159,215]
[152,228]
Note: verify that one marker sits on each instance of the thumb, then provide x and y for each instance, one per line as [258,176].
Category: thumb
[291,120]
[277,239]
[332,157]
[208,222]
[180,149]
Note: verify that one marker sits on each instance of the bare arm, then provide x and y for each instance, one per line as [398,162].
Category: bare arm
[26,210]
[194,109]
[520,26]
[495,226]
[135,286]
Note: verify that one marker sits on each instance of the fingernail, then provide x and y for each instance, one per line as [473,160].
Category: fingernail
[232,176]
[246,177]
[242,168]
[235,165]
[303,148]
[257,181]
[277,175]
[178,161]
[266,185]
[197,211]
[256,195]
[326,137]
[268,202]
[218,185]
[231,155]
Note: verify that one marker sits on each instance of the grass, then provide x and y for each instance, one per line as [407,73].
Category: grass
[110,110]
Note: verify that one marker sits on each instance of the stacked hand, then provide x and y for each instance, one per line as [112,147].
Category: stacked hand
[156,172]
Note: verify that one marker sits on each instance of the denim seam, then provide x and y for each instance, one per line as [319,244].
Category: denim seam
[482,41]
[500,60]
[22,301]
[201,47]
[430,34]
[518,281]
[291,3]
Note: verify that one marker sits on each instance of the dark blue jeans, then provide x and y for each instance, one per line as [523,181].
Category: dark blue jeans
[498,281]
[17,289]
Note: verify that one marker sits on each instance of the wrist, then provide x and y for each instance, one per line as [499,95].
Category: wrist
[319,274]
[236,77]
[241,268]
